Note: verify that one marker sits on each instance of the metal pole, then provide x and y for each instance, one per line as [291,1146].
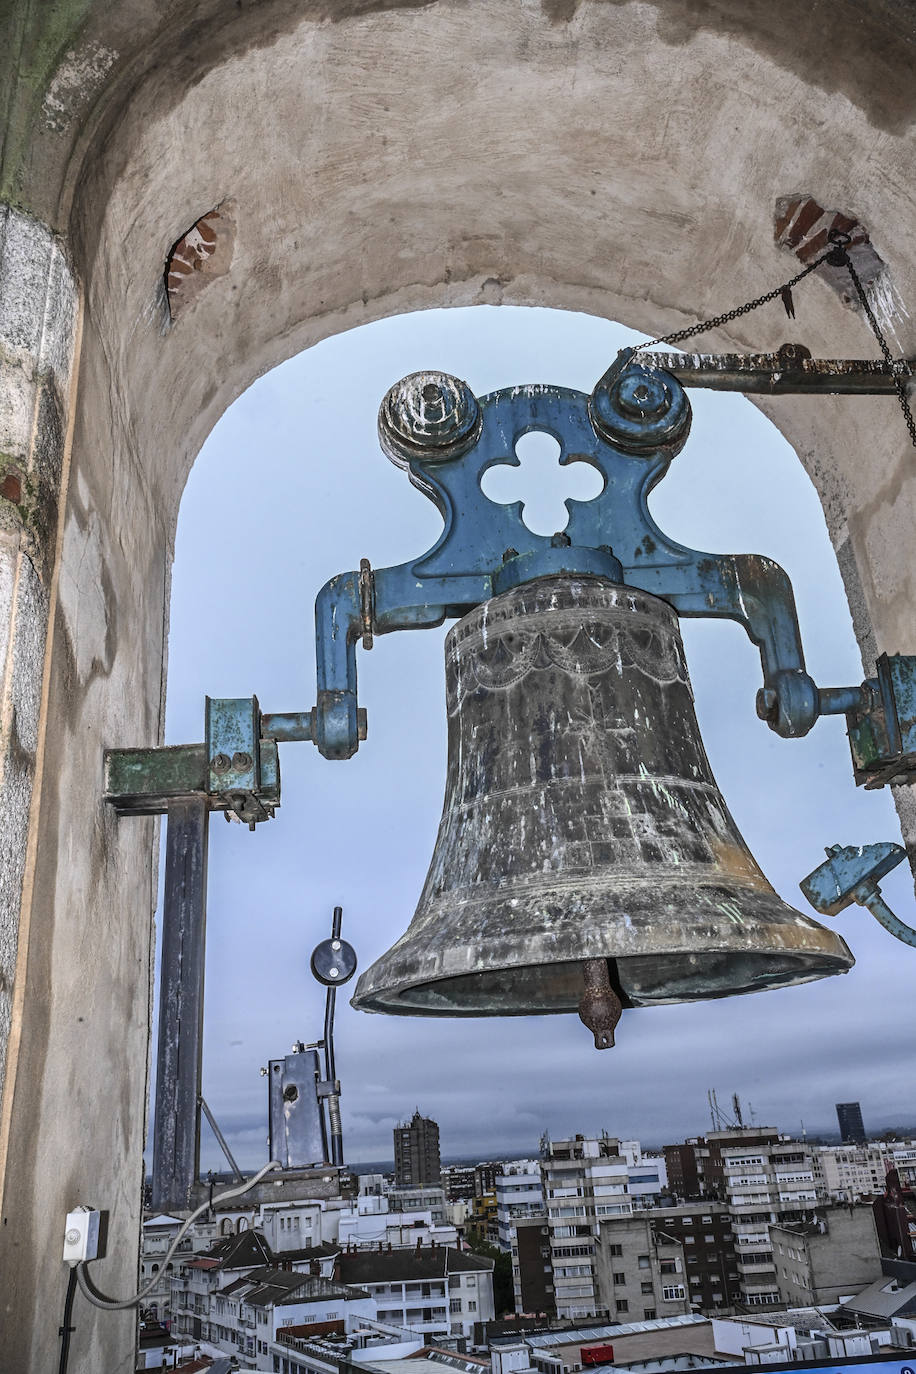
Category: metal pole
[330,1068]
[221,1139]
[176,1131]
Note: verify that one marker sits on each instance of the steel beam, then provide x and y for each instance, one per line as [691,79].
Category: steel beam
[176,1131]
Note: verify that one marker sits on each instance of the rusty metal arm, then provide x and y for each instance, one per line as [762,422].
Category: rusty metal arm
[789,371]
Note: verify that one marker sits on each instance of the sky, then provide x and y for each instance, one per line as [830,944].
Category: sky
[295,468]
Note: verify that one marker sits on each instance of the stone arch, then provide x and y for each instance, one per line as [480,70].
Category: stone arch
[621,157]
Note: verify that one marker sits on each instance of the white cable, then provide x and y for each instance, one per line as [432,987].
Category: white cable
[113,1304]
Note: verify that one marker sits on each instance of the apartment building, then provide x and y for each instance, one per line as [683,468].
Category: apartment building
[199,1278]
[710,1259]
[430,1198]
[766,1183]
[370,1221]
[845,1173]
[247,1315]
[640,1269]
[155,1238]
[436,1292]
[458,1182]
[584,1180]
[519,1193]
[416,1152]
[827,1259]
[532,1266]
[695,1167]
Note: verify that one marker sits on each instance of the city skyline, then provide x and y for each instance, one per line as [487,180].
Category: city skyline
[360,834]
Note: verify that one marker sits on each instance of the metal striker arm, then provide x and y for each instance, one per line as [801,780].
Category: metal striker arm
[851,874]
[631,427]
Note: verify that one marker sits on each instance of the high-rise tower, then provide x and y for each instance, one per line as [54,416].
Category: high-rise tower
[849,1115]
[416,1152]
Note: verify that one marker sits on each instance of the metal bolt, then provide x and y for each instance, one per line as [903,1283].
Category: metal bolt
[767,703]
[335,944]
[241,762]
[333,972]
[221,763]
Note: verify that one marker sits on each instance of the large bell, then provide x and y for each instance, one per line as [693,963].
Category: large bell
[582,829]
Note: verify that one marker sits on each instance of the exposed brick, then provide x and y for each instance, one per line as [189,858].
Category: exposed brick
[202,253]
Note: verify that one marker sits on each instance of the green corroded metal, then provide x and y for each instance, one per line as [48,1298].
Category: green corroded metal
[144,782]
[882,730]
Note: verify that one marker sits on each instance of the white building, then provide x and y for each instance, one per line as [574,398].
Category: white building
[433,1291]
[247,1314]
[585,1179]
[155,1238]
[369,1222]
[519,1193]
[847,1173]
[427,1198]
[764,1184]
[647,1175]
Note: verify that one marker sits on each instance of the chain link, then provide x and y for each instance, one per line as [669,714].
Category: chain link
[837,256]
[728,315]
[893,363]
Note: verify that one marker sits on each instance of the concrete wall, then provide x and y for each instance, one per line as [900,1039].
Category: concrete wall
[636,1236]
[815,1267]
[621,157]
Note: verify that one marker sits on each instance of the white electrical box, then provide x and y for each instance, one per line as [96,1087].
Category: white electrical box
[81,1235]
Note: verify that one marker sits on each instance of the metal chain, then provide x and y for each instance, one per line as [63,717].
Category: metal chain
[840,257]
[837,256]
[681,334]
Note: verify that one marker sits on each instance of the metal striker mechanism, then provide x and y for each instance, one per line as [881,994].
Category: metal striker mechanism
[300,1135]
[586,859]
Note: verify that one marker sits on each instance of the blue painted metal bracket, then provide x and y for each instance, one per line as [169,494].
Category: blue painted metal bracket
[851,874]
[629,429]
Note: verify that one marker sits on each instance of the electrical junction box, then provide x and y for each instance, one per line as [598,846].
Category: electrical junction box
[81,1235]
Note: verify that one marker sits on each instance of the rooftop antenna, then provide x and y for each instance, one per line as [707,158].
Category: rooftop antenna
[736,1103]
[713,1107]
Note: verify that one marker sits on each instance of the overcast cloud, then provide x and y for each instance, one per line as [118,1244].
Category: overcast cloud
[295,469]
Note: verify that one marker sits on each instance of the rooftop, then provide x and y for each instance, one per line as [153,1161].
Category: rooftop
[599,1333]
[379,1266]
[269,1287]
[886,1297]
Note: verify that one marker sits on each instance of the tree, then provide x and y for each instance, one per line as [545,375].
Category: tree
[503,1290]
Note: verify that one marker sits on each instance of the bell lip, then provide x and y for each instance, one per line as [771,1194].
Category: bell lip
[799,967]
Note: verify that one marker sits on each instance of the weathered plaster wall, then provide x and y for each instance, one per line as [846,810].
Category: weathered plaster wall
[38,317]
[618,158]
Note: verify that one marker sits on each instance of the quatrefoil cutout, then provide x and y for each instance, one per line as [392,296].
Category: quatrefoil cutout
[541,483]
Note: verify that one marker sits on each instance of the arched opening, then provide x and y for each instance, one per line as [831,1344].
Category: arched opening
[318,496]
[621,159]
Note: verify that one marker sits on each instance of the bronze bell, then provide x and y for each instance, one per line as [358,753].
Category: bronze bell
[585,853]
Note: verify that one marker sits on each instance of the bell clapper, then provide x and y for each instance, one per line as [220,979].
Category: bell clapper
[599,1005]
